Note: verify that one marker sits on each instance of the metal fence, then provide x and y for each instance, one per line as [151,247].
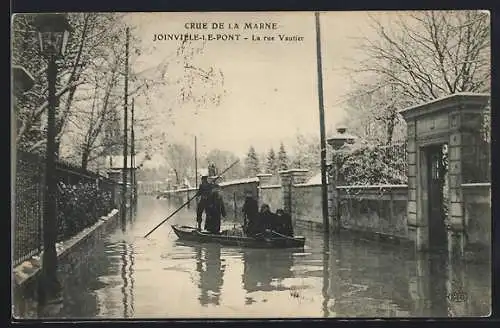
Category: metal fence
[82,197]
[28,208]
[476,160]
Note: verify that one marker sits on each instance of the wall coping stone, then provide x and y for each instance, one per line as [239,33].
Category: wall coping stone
[270,187]
[381,186]
[31,267]
[475,185]
[307,184]
[293,171]
[239,181]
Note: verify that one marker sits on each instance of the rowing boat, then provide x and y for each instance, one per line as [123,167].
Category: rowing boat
[269,239]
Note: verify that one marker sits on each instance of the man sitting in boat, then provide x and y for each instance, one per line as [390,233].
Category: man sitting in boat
[284,223]
[203,191]
[214,210]
[265,220]
[250,210]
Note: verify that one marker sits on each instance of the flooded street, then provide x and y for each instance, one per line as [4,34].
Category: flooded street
[128,276]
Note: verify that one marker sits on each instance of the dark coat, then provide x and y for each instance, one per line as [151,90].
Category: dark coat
[250,209]
[204,190]
[261,222]
[283,224]
[215,209]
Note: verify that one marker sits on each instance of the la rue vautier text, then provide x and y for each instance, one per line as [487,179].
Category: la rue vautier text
[199,26]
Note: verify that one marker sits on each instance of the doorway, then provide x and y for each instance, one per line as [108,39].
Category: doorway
[437,186]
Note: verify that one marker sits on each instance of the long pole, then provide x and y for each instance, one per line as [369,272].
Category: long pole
[324,190]
[50,284]
[195,163]
[125,141]
[188,201]
[132,160]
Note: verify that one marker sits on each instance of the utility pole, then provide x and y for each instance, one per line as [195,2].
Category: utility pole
[324,190]
[195,163]
[125,141]
[132,160]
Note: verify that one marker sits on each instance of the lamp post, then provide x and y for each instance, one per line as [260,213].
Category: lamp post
[338,141]
[53,34]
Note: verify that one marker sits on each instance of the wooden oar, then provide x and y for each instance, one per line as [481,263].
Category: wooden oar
[188,201]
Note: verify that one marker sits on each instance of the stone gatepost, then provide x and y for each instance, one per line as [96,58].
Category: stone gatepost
[451,121]
[264,180]
[288,179]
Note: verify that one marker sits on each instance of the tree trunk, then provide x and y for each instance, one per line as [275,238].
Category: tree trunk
[177,178]
[390,128]
[85,159]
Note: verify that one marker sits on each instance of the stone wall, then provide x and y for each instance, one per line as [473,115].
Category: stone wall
[233,193]
[306,204]
[477,208]
[25,276]
[271,195]
[379,210]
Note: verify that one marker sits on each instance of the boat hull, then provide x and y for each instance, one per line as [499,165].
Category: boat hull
[272,240]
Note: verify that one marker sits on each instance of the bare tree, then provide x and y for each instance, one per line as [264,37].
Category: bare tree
[420,56]
[180,158]
[92,34]
[222,160]
[376,114]
[102,110]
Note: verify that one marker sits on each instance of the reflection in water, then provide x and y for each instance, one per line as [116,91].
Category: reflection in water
[126,275]
[326,273]
[264,270]
[437,290]
[209,266]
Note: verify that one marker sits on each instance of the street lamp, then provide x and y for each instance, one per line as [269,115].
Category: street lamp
[53,34]
[338,141]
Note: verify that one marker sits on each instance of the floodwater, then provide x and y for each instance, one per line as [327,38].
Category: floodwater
[128,276]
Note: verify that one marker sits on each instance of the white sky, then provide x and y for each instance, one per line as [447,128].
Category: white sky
[271,86]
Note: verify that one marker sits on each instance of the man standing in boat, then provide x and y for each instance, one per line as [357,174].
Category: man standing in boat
[212,170]
[204,191]
[250,210]
[215,210]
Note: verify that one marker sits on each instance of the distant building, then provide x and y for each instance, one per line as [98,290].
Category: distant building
[114,167]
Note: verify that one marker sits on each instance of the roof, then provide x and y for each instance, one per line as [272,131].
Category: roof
[441,103]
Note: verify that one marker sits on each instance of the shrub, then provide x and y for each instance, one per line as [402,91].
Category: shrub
[80,206]
[372,165]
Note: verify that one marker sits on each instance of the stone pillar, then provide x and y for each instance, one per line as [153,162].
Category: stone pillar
[288,179]
[453,120]
[332,205]
[455,222]
[417,227]
[264,179]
